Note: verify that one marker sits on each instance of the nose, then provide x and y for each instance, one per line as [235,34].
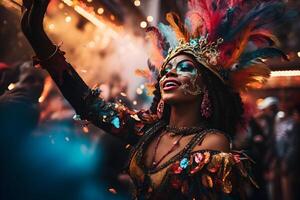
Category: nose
[172,72]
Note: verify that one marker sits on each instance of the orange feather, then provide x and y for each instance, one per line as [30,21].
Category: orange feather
[177,26]
[252,77]
[240,47]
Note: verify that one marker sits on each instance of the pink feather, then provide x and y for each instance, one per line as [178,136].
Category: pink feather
[156,46]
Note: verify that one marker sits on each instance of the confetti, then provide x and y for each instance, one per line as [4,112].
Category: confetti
[123,94]
[85,129]
[112,190]
[139,91]
[136,117]
[76,117]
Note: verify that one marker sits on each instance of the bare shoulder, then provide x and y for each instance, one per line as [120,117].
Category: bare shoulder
[215,140]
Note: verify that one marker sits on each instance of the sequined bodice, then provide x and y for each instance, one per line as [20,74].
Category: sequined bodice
[184,171]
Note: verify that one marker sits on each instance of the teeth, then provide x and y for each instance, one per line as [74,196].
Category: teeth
[168,84]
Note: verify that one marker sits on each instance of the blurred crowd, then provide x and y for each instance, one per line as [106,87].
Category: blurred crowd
[272,140]
[46,154]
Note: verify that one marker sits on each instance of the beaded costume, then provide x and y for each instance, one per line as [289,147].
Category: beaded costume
[231,39]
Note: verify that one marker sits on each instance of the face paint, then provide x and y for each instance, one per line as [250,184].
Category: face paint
[187,69]
[183,68]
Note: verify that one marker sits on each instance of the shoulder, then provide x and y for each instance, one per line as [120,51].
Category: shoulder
[214,140]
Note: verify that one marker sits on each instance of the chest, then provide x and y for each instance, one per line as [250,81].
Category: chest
[141,168]
[163,148]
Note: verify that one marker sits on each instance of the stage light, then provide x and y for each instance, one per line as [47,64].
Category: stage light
[61,5]
[298,54]
[139,91]
[68,19]
[11,86]
[89,1]
[112,17]
[137,2]
[51,26]
[150,18]
[285,73]
[143,24]
[100,11]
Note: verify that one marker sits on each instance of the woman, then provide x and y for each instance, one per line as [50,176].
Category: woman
[182,144]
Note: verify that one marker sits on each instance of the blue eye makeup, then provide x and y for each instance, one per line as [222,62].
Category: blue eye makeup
[166,70]
[182,68]
[185,66]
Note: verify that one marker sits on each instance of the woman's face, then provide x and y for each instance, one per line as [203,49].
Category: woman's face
[180,80]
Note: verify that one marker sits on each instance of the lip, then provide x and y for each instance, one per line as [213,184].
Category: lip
[171,84]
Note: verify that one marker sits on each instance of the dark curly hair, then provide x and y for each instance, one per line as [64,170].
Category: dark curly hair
[227,105]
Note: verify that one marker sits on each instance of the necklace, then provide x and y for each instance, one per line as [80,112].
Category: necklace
[174,146]
[175,131]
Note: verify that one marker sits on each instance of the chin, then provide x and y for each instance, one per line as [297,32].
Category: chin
[173,97]
[177,97]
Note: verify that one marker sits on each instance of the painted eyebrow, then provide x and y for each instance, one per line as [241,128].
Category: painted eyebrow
[185,60]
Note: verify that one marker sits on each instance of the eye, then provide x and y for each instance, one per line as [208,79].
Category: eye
[186,67]
[166,70]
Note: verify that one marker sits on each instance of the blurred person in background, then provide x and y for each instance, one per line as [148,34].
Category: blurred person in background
[19,114]
[292,156]
[283,125]
[252,139]
[114,160]
[266,117]
[19,105]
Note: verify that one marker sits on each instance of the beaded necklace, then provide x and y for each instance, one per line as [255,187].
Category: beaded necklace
[174,131]
[174,146]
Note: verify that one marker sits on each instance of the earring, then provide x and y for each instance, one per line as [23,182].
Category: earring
[160,108]
[206,107]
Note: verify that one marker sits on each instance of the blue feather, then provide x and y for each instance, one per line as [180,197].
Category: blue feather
[168,34]
[226,22]
[248,58]
[263,13]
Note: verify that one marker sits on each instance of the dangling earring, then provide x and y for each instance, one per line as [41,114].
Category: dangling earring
[160,108]
[206,107]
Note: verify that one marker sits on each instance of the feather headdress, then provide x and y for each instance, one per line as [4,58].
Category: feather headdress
[231,38]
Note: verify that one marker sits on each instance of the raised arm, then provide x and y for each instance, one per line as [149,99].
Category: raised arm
[113,118]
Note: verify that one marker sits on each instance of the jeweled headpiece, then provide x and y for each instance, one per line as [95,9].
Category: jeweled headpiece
[206,53]
[231,38]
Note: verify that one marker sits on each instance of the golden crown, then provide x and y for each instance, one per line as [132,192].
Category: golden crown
[206,53]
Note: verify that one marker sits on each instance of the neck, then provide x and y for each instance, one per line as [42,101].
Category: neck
[185,115]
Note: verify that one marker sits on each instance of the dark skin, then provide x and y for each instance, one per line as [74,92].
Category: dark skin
[183,104]
[181,69]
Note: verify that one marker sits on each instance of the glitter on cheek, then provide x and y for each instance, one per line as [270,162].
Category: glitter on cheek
[191,87]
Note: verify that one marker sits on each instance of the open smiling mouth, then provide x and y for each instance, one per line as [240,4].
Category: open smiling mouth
[171,85]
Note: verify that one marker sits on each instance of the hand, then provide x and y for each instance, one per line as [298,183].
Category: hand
[33,16]
[32,27]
